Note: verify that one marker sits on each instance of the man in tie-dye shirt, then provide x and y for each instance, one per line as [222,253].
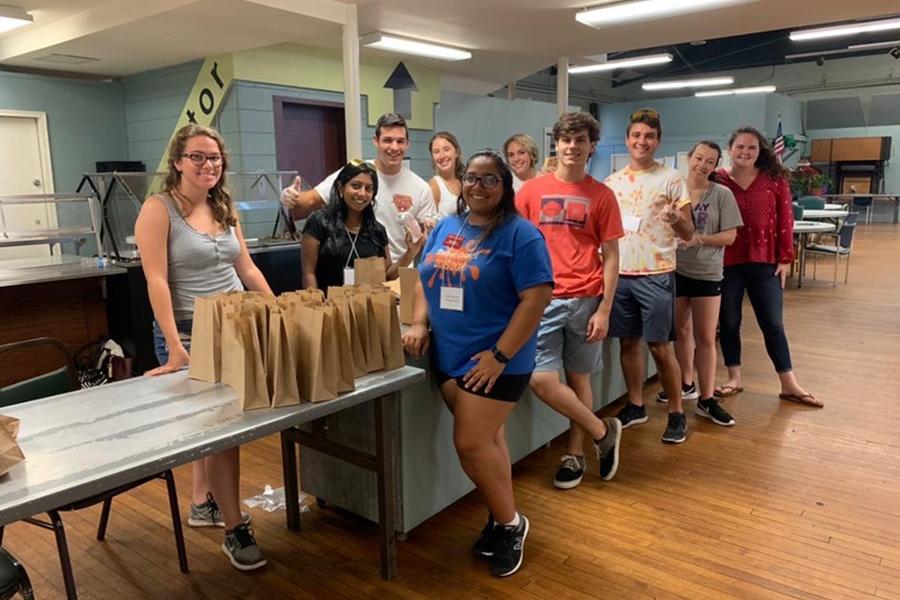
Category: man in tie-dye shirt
[655,208]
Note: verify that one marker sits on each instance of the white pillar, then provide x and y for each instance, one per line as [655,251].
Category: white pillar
[562,84]
[511,90]
[352,109]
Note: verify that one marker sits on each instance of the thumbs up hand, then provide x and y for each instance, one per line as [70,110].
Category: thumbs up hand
[291,194]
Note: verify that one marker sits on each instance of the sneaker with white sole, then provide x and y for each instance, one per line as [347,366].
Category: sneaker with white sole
[676,429]
[209,515]
[510,547]
[570,472]
[241,549]
[484,545]
[712,410]
[632,414]
[688,392]
[607,448]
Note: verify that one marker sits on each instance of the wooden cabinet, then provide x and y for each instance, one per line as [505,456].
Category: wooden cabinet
[860,149]
[820,151]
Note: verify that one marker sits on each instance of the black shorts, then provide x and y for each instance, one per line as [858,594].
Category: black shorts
[507,388]
[696,288]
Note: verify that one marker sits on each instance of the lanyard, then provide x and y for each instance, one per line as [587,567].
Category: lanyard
[352,247]
[471,254]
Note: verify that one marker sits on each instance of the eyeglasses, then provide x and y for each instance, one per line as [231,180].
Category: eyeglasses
[200,158]
[644,112]
[488,182]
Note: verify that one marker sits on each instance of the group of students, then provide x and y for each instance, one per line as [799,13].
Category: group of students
[516,287]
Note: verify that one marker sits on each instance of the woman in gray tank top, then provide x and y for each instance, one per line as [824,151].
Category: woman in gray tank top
[191,246]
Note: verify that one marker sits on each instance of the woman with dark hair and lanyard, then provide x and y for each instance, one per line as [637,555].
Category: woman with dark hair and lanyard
[345,229]
[758,261]
[484,282]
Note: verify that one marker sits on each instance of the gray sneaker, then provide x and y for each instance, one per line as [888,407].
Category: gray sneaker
[241,549]
[676,429]
[607,448]
[209,515]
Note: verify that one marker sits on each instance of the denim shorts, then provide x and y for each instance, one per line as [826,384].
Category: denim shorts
[644,308]
[161,349]
[562,337]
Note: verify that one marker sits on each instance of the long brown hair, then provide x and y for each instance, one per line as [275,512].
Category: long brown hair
[766,162]
[219,197]
[458,168]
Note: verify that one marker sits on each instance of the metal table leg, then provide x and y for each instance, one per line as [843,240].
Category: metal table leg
[802,251]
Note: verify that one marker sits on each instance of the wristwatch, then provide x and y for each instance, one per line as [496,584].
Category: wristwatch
[499,356]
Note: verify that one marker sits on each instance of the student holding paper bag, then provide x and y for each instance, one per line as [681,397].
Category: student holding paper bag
[345,229]
[191,246]
[484,282]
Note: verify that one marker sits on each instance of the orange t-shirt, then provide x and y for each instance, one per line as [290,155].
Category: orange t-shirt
[575,219]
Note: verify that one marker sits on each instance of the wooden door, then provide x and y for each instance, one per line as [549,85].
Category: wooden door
[309,138]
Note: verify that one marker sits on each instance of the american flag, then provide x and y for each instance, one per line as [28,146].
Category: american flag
[779,142]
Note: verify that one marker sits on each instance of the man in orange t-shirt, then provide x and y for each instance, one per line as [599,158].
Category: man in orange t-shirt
[579,217]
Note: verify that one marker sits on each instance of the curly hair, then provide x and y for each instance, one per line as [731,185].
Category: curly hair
[523,139]
[572,122]
[219,197]
[766,162]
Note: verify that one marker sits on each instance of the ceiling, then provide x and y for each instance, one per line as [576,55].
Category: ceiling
[509,39]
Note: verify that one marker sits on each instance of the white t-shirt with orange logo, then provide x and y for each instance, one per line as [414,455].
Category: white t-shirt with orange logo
[403,192]
[649,245]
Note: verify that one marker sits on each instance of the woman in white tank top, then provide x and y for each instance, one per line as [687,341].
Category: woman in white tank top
[446,159]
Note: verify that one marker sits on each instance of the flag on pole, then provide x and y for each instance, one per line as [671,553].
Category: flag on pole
[779,142]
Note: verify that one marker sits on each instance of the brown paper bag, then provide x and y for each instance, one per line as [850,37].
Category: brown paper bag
[310,294]
[311,356]
[10,453]
[369,270]
[330,350]
[388,323]
[242,366]
[364,320]
[206,339]
[341,334]
[281,368]
[408,279]
[357,354]
[258,310]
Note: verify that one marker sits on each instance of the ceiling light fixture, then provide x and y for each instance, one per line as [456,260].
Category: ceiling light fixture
[760,89]
[393,43]
[12,17]
[623,63]
[654,86]
[873,46]
[844,30]
[646,10]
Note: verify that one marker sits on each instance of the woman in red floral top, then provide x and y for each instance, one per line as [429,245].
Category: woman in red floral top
[759,260]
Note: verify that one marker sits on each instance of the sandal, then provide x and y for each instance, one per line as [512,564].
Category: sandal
[804,399]
[724,391]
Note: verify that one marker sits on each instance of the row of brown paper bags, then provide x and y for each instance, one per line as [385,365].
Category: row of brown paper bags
[297,347]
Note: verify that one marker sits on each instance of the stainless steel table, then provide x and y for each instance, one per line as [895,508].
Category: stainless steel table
[87,442]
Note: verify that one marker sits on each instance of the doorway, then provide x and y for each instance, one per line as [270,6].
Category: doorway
[309,137]
[25,169]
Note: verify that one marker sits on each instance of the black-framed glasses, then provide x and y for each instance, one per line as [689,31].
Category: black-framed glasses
[200,158]
[644,112]
[488,182]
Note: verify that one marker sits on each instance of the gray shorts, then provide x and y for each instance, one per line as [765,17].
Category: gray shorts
[644,307]
[562,334]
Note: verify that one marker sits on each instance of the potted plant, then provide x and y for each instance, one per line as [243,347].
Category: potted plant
[818,184]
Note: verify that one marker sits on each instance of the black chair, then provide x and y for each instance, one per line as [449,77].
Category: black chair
[840,248]
[13,578]
[59,381]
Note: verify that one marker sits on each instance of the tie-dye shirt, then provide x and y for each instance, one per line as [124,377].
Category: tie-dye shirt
[649,245]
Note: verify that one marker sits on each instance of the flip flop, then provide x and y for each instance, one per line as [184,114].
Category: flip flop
[805,399]
[724,391]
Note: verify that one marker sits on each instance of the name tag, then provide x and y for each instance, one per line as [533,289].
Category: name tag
[452,298]
[349,276]
[630,223]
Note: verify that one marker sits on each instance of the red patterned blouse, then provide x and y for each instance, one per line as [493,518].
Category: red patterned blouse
[768,232]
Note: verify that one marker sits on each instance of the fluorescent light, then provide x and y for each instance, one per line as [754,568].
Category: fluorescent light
[686,83]
[760,89]
[406,46]
[610,65]
[844,30]
[873,46]
[12,18]
[646,10]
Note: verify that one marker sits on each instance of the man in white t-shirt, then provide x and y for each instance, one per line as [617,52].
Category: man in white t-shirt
[399,190]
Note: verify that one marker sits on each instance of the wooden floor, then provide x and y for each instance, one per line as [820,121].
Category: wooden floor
[791,503]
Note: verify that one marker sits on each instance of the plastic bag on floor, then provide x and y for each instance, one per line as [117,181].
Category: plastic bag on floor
[273,499]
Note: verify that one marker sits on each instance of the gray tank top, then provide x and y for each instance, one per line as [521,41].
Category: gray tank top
[199,264]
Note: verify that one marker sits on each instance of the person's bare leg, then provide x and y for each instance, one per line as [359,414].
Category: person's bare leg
[705,315]
[573,403]
[668,372]
[224,472]
[634,369]
[581,385]
[199,482]
[684,338]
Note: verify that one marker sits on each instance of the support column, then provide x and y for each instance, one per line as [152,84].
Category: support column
[562,84]
[511,90]
[352,108]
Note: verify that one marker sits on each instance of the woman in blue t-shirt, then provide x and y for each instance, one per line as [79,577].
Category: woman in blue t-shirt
[346,229]
[484,281]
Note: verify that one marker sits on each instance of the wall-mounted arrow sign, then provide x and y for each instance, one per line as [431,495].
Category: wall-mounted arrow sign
[403,85]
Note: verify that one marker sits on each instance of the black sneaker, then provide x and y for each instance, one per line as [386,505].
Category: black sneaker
[484,545]
[632,414]
[676,429]
[509,547]
[570,472]
[688,392]
[712,410]
[241,549]
[607,448]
